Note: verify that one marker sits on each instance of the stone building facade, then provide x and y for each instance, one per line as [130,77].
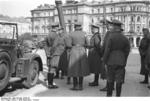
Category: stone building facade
[134,14]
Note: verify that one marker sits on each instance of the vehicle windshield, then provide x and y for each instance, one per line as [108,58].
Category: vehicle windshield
[7,31]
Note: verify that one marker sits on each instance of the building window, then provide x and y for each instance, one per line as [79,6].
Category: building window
[44,14]
[73,11]
[138,28]
[111,18]
[69,11]
[92,11]
[124,18]
[44,29]
[37,28]
[131,29]
[111,9]
[98,10]
[121,9]
[132,19]
[75,20]
[131,8]
[134,8]
[137,8]
[92,20]
[138,19]
[37,14]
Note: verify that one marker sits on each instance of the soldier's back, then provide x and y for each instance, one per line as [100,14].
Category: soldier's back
[119,49]
[51,38]
[78,37]
[119,41]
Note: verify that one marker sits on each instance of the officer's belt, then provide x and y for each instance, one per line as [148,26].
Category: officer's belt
[78,45]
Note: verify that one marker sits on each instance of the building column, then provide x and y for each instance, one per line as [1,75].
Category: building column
[134,41]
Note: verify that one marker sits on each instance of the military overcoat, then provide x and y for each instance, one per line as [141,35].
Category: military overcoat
[78,61]
[143,48]
[95,53]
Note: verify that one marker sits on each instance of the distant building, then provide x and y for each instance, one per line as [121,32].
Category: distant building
[23,27]
[134,14]
[41,19]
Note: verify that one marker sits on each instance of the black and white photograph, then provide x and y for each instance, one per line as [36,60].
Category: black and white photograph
[74,48]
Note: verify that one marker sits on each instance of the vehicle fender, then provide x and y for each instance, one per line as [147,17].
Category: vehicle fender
[33,56]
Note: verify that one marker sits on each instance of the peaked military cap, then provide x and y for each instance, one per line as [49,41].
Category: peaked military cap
[54,25]
[104,21]
[116,22]
[77,24]
[94,26]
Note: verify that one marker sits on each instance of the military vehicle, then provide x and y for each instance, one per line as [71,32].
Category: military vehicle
[14,62]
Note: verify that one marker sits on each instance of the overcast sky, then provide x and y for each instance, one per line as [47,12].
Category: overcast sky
[17,8]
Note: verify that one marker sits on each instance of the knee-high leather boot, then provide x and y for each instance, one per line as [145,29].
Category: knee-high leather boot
[68,80]
[118,89]
[105,88]
[95,83]
[50,81]
[57,75]
[109,88]
[80,83]
[75,84]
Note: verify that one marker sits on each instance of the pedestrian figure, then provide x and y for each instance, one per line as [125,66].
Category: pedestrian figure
[147,59]
[52,59]
[66,54]
[115,57]
[78,62]
[103,71]
[95,54]
[59,45]
[143,52]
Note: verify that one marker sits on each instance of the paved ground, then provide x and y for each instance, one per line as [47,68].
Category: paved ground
[131,88]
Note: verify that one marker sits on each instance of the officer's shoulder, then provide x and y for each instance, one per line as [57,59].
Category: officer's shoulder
[123,34]
[83,32]
[108,32]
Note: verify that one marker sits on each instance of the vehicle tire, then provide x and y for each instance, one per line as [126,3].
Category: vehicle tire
[5,71]
[33,75]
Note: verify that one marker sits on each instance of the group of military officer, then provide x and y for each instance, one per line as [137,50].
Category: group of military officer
[69,52]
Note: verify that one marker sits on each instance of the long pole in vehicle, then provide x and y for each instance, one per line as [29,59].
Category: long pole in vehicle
[104,17]
[60,14]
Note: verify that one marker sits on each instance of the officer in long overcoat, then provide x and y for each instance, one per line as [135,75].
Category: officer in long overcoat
[115,57]
[147,59]
[78,61]
[143,50]
[52,60]
[95,53]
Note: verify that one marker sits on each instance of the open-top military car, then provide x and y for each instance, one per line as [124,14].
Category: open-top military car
[14,62]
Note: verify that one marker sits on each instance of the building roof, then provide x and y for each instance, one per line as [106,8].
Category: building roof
[91,4]
[44,7]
